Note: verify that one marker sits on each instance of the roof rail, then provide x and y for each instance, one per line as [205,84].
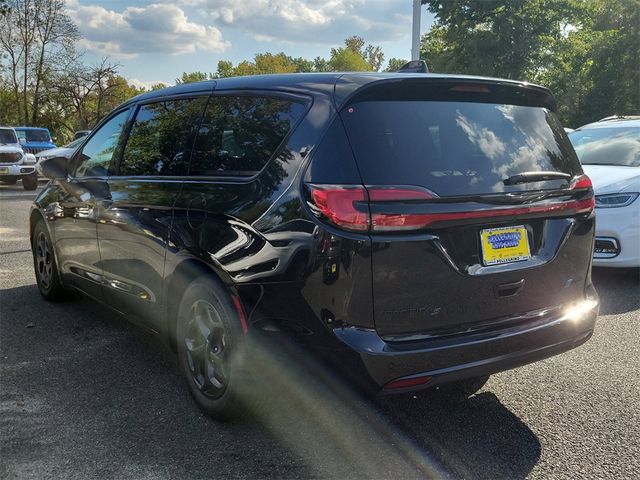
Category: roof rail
[414,66]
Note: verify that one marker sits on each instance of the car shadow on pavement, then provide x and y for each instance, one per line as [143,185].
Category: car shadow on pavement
[618,288]
[86,395]
[475,438]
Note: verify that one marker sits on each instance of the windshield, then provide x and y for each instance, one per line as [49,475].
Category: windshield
[34,135]
[457,148]
[7,136]
[608,146]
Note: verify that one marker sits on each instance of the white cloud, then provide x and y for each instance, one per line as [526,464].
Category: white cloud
[146,84]
[154,28]
[311,21]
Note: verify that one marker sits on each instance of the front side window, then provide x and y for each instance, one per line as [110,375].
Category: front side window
[96,155]
[239,134]
[161,137]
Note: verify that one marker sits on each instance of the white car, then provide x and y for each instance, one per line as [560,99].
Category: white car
[15,164]
[609,151]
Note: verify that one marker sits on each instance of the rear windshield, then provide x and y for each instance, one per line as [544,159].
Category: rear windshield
[457,148]
[608,146]
[7,136]
[39,136]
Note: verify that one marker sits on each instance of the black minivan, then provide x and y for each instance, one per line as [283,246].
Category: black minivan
[410,230]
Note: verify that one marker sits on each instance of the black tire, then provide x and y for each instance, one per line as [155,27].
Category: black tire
[461,390]
[45,267]
[9,180]
[30,182]
[211,351]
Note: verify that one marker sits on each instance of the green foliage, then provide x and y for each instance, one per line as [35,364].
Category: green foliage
[395,64]
[586,51]
[346,60]
[194,77]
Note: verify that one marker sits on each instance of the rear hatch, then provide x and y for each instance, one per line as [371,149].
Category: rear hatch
[477,206]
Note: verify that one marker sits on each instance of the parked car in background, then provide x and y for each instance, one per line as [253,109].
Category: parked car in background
[80,134]
[65,151]
[609,151]
[15,164]
[34,139]
[407,230]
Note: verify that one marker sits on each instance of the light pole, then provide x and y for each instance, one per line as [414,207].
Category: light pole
[415,33]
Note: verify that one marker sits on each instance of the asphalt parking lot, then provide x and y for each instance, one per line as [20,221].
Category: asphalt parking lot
[85,395]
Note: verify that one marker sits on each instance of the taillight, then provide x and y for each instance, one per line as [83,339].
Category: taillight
[337,204]
[398,209]
[581,182]
[347,206]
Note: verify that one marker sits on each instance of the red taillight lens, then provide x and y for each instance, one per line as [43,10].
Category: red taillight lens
[581,182]
[337,205]
[387,209]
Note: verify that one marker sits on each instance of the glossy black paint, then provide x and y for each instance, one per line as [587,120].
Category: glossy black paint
[135,243]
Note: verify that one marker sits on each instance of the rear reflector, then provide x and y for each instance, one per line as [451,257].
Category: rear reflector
[407,382]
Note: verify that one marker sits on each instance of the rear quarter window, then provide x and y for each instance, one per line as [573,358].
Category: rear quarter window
[240,133]
[456,148]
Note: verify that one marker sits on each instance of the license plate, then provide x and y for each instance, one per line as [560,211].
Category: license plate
[4,169]
[504,245]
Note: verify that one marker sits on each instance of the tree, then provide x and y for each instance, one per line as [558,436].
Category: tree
[372,54]
[346,60]
[395,64]
[194,77]
[586,51]
[34,36]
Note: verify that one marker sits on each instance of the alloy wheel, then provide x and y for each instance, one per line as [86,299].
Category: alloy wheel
[44,263]
[206,349]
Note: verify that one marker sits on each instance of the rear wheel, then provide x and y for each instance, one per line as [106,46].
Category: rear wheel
[44,264]
[30,182]
[210,350]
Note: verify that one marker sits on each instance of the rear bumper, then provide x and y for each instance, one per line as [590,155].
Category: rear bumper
[468,355]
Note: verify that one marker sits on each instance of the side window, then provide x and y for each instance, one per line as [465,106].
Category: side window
[94,159]
[239,134]
[161,137]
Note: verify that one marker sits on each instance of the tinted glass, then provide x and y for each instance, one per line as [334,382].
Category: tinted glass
[34,135]
[608,146]
[7,136]
[96,155]
[161,137]
[457,148]
[239,134]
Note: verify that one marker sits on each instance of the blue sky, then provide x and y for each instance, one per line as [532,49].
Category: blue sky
[156,40]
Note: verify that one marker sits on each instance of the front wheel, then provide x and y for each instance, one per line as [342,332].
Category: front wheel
[30,182]
[209,343]
[44,263]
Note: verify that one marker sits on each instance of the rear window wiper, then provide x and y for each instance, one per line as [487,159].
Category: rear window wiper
[528,177]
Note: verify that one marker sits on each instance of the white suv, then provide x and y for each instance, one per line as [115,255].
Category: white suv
[14,163]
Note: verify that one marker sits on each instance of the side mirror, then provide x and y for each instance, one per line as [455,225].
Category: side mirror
[22,140]
[54,168]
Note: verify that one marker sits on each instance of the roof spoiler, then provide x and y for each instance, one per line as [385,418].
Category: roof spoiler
[414,66]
